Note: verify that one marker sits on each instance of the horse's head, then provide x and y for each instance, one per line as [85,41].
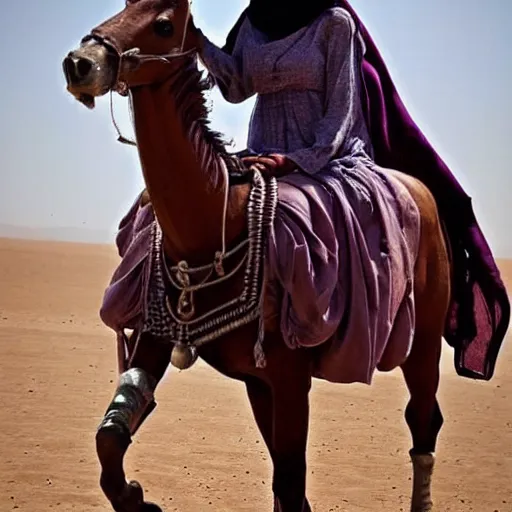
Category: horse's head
[134,47]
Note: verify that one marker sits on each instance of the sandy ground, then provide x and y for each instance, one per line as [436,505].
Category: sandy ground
[200,450]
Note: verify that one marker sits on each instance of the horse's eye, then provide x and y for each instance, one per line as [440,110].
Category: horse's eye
[164,27]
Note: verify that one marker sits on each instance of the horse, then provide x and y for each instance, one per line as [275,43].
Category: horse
[148,51]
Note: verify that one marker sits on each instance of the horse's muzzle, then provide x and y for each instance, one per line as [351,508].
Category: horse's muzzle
[90,71]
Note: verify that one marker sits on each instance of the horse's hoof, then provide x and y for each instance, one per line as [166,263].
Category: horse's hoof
[425,508]
[150,507]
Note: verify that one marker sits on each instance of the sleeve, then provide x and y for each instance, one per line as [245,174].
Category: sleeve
[341,95]
[227,71]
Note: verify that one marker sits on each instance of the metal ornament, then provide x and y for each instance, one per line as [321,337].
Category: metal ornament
[183,356]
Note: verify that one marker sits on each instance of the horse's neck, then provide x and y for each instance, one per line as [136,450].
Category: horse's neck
[183,171]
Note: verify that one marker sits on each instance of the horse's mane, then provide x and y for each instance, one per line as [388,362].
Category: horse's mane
[189,88]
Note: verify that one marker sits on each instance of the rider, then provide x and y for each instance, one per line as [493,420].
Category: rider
[325,100]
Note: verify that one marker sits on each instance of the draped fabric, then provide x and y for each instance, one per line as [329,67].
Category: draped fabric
[479,312]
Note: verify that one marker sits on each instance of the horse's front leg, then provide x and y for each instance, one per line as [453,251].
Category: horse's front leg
[290,384]
[133,401]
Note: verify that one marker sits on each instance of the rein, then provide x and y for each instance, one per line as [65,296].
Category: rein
[122,87]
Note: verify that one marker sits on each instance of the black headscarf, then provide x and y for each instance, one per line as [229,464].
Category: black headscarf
[281,18]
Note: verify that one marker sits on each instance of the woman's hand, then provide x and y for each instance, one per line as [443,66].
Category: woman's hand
[271,165]
[194,36]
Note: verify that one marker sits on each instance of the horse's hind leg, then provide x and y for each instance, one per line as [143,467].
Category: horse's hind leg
[423,415]
[132,403]
[421,370]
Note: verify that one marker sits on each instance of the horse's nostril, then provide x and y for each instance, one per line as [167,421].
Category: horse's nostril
[83,67]
[76,68]
[69,69]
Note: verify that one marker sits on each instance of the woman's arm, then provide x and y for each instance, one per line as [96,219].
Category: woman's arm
[227,71]
[341,95]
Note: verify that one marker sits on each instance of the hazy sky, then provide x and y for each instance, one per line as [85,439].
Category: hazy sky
[61,166]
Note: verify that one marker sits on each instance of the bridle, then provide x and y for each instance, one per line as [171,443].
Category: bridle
[132,57]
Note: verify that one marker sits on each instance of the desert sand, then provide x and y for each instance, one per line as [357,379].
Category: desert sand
[200,450]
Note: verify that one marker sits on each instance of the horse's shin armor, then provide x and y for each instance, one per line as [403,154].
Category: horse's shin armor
[132,403]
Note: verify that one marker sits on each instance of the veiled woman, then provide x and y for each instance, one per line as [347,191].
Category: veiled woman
[325,104]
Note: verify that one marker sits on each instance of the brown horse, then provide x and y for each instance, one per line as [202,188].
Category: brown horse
[183,163]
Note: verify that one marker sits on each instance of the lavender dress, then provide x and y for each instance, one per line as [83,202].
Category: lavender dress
[308,104]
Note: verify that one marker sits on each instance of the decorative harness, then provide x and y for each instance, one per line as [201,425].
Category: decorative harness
[181,324]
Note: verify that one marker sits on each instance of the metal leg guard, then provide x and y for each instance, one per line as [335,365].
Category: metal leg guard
[132,403]
[423,468]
